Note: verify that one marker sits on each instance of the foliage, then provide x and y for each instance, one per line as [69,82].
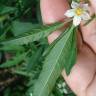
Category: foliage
[27,61]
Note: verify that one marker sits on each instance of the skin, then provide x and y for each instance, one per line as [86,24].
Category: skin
[82,79]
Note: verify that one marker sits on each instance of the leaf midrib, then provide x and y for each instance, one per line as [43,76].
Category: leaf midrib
[55,65]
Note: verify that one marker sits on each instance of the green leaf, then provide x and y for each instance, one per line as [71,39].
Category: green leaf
[22,73]
[71,55]
[55,61]
[72,94]
[12,48]
[34,36]
[6,10]
[0,56]
[34,59]
[51,94]
[14,61]
[3,17]
[19,28]
[7,92]
[52,44]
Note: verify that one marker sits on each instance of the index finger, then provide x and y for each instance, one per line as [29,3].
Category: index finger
[53,11]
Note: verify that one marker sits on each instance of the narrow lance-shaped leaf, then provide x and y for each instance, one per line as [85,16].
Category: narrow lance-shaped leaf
[6,10]
[14,61]
[33,61]
[19,28]
[72,55]
[22,73]
[52,44]
[35,36]
[12,48]
[51,94]
[53,65]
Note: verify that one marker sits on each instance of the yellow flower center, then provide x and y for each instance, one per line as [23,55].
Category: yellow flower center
[79,11]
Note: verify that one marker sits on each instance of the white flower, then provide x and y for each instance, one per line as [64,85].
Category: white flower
[79,11]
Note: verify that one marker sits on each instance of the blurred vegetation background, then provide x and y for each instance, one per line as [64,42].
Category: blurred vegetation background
[16,18]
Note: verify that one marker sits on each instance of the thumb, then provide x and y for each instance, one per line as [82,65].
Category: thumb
[89,31]
[53,11]
[93,3]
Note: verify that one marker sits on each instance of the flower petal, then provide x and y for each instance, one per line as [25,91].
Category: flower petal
[76,20]
[85,16]
[85,7]
[70,13]
[74,4]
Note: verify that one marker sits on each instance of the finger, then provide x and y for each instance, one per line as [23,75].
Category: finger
[53,11]
[82,73]
[91,91]
[52,14]
[89,31]
[93,3]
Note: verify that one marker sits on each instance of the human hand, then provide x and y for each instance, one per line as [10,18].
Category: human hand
[82,79]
